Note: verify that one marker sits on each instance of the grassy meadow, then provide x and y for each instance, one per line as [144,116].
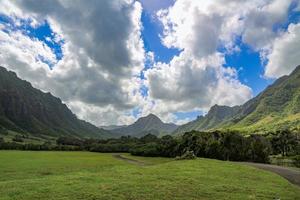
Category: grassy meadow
[27,175]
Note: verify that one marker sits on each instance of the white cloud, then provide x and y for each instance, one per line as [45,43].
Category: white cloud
[152,6]
[197,78]
[201,26]
[102,53]
[188,83]
[259,22]
[284,56]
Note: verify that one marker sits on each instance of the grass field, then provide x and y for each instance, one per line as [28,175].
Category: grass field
[94,176]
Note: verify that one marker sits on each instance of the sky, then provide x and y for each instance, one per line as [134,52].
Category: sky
[114,61]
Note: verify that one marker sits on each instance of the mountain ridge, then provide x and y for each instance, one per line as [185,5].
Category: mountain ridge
[25,109]
[277,107]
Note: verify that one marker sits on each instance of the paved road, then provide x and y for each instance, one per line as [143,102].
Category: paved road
[292,175]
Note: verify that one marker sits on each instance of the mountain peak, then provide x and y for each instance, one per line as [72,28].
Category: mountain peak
[148,124]
[152,116]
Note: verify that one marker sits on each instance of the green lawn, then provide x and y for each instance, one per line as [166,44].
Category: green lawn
[94,176]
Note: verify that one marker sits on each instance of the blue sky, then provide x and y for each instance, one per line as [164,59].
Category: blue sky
[247,61]
[250,80]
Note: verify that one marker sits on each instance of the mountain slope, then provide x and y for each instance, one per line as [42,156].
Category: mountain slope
[278,106]
[144,125]
[25,109]
[216,116]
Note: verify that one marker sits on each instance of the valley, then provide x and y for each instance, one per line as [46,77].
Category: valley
[149,100]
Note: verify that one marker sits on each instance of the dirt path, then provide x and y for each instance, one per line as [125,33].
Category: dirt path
[291,175]
[132,161]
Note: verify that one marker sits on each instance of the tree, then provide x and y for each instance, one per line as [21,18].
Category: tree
[69,141]
[168,146]
[260,149]
[284,142]
[149,138]
[234,146]
[18,138]
[3,131]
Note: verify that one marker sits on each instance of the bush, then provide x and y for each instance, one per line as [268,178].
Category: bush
[296,160]
[149,150]
[18,138]
[3,131]
[69,141]
[188,155]
[260,149]
[110,148]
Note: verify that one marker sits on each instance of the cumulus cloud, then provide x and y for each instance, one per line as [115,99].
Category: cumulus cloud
[197,78]
[205,25]
[187,83]
[102,51]
[155,5]
[259,22]
[284,56]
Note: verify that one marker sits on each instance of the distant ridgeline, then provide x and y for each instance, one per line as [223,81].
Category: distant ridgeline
[31,113]
[26,110]
[33,120]
[277,107]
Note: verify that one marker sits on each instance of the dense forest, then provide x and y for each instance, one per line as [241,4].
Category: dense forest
[217,145]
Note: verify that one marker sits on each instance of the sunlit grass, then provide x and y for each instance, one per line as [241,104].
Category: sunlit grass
[84,175]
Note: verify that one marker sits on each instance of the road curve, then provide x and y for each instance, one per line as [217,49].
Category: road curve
[292,175]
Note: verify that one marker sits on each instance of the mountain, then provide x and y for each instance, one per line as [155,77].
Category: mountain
[24,109]
[277,107]
[144,125]
[216,116]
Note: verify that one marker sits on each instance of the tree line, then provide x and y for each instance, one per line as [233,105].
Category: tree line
[227,145]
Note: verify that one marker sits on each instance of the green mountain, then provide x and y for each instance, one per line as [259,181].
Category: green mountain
[277,107]
[145,125]
[216,116]
[26,110]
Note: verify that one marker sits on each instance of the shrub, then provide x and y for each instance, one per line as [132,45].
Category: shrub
[260,149]
[296,160]
[3,131]
[188,155]
[150,149]
[18,138]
